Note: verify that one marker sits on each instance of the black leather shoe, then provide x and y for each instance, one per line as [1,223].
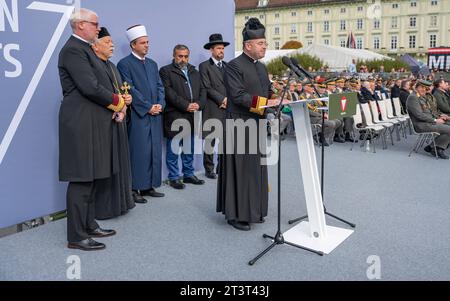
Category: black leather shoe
[138,198]
[441,154]
[153,193]
[428,149]
[177,184]
[193,180]
[339,139]
[87,245]
[349,138]
[211,175]
[239,225]
[99,232]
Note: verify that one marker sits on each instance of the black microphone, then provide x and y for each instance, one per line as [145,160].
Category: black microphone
[296,64]
[288,63]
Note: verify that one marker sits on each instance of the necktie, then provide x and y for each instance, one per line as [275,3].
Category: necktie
[219,64]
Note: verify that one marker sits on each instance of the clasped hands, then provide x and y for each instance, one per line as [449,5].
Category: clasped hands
[193,107]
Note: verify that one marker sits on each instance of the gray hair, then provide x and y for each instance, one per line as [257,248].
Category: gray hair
[79,15]
[180,47]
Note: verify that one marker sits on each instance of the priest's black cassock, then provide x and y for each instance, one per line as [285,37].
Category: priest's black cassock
[243,182]
[116,198]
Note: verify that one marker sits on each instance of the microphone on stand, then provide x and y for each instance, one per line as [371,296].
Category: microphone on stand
[288,63]
[297,65]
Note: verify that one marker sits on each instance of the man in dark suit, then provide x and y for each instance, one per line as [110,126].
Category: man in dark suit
[184,97]
[211,72]
[86,157]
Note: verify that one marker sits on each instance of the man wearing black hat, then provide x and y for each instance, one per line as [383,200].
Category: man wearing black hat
[243,182]
[211,72]
[116,198]
[425,118]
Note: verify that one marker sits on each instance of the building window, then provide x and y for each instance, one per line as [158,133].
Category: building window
[395,5]
[343,27]
[246,18]
[309,27]
[432,40]
[359,24]
[394,22]
[412,21]
[376,24]
[413,3]
[277,30]
[293,28]
[294,14]
[326,12]
[261,17]
[394,42]
[434,2]
[360,8]
[326,26]
[359,43]
[277,45]
[309,12]
[277,15]
[376,43]
[343,43]
[433,21]
[412,41]
[326,42]
[343,10]
[309,42]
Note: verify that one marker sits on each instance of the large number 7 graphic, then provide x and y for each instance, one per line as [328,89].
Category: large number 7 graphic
[42,6]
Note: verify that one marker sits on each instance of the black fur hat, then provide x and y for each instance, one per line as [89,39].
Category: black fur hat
[253,30]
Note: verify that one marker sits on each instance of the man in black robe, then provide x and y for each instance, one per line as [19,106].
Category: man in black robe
[243,183]
[114,197]
[86,157]
[211,72]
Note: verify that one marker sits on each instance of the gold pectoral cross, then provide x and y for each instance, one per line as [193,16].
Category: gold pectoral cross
[125,88]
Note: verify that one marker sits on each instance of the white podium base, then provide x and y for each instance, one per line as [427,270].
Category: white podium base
[301,235]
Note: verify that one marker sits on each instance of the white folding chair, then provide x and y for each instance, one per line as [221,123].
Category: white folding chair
[369,130]
[398,113]
[424,137]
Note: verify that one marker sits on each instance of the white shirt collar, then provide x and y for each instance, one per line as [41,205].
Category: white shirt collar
[138,57]
[215,61]
[80,38]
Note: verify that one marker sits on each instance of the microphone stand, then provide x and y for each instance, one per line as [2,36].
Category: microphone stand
[322,140]
[278,239]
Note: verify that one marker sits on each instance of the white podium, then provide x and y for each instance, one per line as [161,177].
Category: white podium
[314,234]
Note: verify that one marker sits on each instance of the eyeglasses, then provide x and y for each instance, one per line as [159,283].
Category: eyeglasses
[96,24]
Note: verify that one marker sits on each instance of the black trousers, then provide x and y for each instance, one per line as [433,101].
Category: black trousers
[81,209]
[208,155]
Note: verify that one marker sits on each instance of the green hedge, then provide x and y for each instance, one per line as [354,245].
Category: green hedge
[276,66]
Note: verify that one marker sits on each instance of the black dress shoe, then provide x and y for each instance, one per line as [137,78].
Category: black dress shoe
[349,138]
[211,175]
[153,193]
[177,184]
[428,149]
[99,232]
[138,198]
[240,225]
[339,139]
[193,180]
[87,245]
[441,154]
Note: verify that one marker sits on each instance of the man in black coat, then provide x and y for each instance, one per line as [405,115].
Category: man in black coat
[211,72]
[405,91]
[185,96]
[86,157]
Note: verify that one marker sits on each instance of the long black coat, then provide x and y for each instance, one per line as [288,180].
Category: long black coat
[178,96]
[213,82]
[85,123]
